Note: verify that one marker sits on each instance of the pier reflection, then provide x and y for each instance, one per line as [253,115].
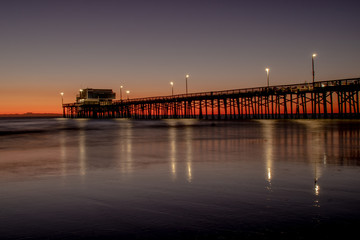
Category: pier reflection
[82,152]
[173,160]
[268,151]
[189,152]
[63,154]
[182,146]
[314,143]
[124,143]
[317,147]
[147,175]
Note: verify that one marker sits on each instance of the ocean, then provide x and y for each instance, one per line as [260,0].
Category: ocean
[178,179]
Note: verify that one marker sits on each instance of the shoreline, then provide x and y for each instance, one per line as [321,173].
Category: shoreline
[30,115]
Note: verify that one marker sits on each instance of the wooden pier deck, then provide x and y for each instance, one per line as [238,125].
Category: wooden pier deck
[324,99]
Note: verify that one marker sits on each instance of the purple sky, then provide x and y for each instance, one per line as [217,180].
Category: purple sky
[49,47]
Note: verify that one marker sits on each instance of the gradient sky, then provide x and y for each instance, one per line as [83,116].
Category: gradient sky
[48,47]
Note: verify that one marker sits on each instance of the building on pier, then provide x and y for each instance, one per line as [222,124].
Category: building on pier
[95,96]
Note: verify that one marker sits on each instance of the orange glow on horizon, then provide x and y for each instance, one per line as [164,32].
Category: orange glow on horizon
[35,101]
[42,100]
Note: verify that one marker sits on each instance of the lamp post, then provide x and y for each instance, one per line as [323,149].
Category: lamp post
[172,88]
[62,103]
[186,79]
[80,96]
[312,63]
[127,93]
[62,98]
[121,87]
[267,76]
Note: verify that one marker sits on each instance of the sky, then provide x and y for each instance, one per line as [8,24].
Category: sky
[50,46]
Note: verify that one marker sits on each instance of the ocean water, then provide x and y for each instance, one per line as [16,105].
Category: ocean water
[178,179]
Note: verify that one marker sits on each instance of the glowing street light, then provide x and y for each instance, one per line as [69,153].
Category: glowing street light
[172,88]
[267,76]
[121,87]
[127,93]
[313,69]
[186,79]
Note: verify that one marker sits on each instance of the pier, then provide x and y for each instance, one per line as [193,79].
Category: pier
[319,100]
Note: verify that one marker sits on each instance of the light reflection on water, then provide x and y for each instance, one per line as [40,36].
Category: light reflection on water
[189,152]
[207,177]
[172,141]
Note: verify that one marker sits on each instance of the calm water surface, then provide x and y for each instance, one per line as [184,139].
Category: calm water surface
[178,179]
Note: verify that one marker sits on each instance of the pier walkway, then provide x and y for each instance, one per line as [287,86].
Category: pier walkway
[325,99]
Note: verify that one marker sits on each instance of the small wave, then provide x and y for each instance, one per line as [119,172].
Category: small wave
[10,132]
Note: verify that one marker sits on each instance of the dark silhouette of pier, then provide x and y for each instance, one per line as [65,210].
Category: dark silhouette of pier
[319,100]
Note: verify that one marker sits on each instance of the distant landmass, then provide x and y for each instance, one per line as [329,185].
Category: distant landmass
[31,114]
